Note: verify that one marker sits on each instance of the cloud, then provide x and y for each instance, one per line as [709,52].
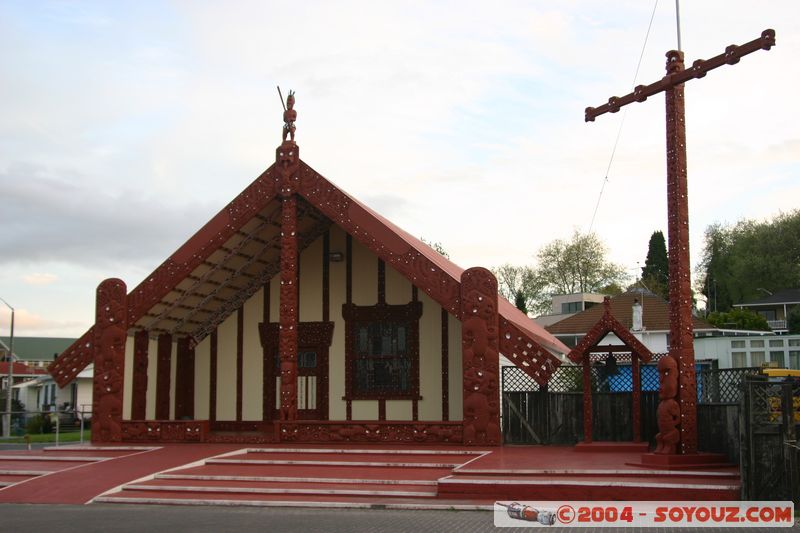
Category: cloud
[40,278]
[67,218]
[27,323]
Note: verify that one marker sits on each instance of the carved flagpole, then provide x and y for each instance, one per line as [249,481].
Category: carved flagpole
[680,293]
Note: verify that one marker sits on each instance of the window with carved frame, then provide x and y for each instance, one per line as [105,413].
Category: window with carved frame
[382,351]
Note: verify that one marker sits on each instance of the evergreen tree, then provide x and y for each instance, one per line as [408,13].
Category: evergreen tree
[655,272]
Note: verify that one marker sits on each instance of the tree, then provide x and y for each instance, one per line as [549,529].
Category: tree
[521,286]
[655,272]
[437,246]
[577,265]
[741,260]
[793,320]
[738,318]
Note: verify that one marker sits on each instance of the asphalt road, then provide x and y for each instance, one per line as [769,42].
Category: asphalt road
[152,519]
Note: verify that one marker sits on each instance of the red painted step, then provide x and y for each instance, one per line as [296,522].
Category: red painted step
[309,488]
[388,473]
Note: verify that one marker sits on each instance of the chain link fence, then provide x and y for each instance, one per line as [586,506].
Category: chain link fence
[55,426]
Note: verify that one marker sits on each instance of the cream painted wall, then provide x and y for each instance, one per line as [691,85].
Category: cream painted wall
[430,359]
[365,276]
[202,379]
[311,283]
[337,409]
[152,371]
[226,369]
[454,372]
[252,360]
[127,382]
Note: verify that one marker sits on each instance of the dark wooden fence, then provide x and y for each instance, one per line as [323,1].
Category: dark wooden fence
[554,414]
[770,457]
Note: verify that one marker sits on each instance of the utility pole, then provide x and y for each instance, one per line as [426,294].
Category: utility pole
[680,291]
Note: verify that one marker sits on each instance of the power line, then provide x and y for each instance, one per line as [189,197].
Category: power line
[622,121]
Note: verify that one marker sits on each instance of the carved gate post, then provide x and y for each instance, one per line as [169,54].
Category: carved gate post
[480,352]
[110,331]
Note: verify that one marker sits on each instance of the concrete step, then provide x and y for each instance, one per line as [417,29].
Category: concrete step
[589,488]
[308,487]
[292,500]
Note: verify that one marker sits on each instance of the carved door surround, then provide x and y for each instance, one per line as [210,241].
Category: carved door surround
[314,341]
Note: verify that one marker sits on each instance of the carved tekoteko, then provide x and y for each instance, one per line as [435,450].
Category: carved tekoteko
[110,332]
[479,342]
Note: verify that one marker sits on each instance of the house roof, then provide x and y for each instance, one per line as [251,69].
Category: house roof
[785,296]
[655,315]
[37,348]
[238,251]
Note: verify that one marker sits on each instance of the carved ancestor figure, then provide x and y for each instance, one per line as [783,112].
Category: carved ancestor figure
[669,412]
[289,116]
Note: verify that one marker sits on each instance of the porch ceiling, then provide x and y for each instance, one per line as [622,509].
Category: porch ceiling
[230,275]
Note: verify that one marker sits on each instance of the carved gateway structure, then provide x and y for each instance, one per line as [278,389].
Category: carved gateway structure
[299,314]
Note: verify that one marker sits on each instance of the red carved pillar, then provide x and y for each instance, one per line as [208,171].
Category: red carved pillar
[680,290]
[163,376]
[288,160]
[587,398]
[480,352]
[141,346]
[636,398]
[110,333]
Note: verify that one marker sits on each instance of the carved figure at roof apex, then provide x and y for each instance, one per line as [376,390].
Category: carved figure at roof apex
[289,116]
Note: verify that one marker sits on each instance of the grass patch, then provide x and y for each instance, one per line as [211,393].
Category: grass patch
[71,436]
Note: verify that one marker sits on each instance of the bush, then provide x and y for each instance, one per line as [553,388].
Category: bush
[793,320]
[739,319]
[39,424]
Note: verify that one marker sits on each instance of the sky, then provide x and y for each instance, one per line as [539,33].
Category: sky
[125,126]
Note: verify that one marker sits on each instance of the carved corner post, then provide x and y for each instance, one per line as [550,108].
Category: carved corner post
[636,397]
[288,162]
[110,332]
[480,352]
[586,367]
[680,290]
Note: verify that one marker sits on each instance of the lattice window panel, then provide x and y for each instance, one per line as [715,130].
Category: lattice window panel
[722,385]
[515,380]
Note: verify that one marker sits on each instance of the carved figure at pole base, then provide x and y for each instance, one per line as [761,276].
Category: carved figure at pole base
[669,413]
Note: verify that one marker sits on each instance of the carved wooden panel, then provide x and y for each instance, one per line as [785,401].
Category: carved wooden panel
[109,361]
[157,431]
[479,343]
[378,431]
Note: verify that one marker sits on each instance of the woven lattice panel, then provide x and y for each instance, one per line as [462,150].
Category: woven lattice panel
[722,385]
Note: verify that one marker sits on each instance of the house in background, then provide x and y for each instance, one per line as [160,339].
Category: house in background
[567,305]
[35,352]
[653,331]
[43,394]
[752,350]
[775,308]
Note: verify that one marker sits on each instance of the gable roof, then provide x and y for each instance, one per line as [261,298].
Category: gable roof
[36,348]
[233,255]
[785,296]
[608,324]
[655,315]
